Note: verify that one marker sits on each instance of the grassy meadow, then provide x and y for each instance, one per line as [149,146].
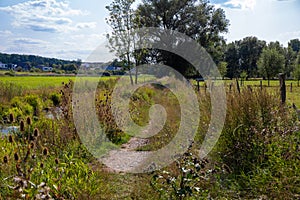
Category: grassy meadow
[256,157]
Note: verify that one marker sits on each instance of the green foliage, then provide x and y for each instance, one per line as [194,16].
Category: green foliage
[222,67]
[296,72]
[271,62]
[259,145]
[10,73]
[295,45]
[193,18]
[55,98]
[189,179]
[9,90]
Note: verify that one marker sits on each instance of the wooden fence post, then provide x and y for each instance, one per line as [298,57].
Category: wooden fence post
[238,86]
[282,87]
[261,85]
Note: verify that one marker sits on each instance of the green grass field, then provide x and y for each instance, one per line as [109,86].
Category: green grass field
[39,82]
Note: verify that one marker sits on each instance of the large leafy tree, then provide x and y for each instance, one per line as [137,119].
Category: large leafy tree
[271,62]
[242,56]
[290,57]
[233,60]
[195,18]
[250,49]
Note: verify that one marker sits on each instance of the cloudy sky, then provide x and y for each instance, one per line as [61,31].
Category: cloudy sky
[73,29]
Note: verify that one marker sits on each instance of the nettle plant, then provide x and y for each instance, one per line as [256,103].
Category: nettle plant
[188,180]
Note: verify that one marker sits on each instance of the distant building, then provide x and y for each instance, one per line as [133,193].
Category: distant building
[3,66]
[12,66]
[113,68]
[44,68]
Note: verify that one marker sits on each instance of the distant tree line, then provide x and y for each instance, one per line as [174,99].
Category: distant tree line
[32,62]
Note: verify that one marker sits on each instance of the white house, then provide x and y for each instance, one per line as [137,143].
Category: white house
[3,66]
[47,69]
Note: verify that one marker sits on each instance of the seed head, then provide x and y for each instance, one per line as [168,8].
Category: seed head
[32,145]
[45,151]
[16,156]
[28,121]
[22,126]
[5,159]
[56,161]
[42,165]
[36,132]
[11,118]
[10,139]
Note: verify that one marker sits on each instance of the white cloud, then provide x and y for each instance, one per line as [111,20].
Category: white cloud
[242,4]
[46,16]
[29,41]
[86,25]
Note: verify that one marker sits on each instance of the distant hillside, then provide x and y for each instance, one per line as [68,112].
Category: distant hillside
[33,60]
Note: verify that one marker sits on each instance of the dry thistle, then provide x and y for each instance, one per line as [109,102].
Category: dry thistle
[28,121]
[11,118]
[45,151]
[10,139]
[22,126]
[31,138]
[27,155]
[36,132]
[32,145]
[16,156]
[5,159]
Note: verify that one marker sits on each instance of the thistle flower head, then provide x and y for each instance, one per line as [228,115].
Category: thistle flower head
[22,126]
[11,118]
[10,139]
[28,121]
[36,132]
[45,151]
[16,156]
[5,159]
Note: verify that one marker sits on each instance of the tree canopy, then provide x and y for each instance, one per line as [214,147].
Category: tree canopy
[271,62]
[196,18]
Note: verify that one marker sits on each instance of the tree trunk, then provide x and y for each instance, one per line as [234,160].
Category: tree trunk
[130,75]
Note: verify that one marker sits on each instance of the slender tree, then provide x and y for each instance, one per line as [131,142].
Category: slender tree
[271,62]
[121,40]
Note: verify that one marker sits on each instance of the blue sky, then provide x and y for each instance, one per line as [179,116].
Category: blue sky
[73,29]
